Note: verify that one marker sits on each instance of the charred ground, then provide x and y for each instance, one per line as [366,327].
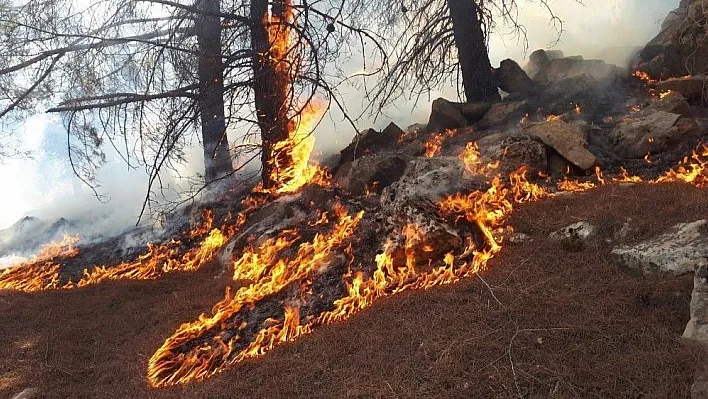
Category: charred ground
[540,320]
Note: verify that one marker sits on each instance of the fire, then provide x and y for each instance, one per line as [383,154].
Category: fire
[470,157]
[550,118]
[300,172]
[575,186]
[292,172]
[665,93]
[693,169]
[434,144]
[522,189]
[159,259]
[211,344]
[643,76]
[267,273]
[41,272]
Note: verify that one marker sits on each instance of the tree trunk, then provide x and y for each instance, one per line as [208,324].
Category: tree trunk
[477,74]
[271,90]
[217,160]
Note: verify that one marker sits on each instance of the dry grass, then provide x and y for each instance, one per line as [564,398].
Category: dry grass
[543,321]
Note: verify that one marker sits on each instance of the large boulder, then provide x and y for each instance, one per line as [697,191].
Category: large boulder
[473,112]
[559,69]
[681,48]
[650,131]
[672,102]
[502,112]
[427,179]
[445,115]
[566,89]
[368,142]
[567,139]
[513,79]
[513,150]
[678,251]
[371,173]
[539,59]
[412,201]
[691,87]
[697,327]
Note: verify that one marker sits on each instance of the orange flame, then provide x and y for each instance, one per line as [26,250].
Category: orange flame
[298,172]
[643,76]
[41,272]
[435,142]
[268,273]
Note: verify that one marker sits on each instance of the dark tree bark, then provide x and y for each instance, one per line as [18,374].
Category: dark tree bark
[271,89]
[217,160]
[477,74]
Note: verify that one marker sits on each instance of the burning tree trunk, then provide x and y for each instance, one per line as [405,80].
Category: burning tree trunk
[217,161]
[271,84]
[477,77]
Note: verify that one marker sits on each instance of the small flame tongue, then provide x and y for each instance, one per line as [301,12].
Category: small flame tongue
[299,172]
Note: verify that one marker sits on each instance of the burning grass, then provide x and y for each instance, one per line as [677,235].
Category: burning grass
[542,320]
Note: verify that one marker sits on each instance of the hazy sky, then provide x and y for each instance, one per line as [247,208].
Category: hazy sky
[591,29]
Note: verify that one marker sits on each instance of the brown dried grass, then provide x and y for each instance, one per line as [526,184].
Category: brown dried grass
[544,321]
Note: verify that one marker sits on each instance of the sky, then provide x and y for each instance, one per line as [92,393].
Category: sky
[44,186]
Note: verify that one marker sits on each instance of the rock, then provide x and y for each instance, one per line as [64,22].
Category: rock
[566,90]
[554,54]
[519,238]
[580,230]
[678,251]
[672,102]
[538,60]
[557,165]
[513,150]
[370,172]
[389,133]
[427,179]
[414,148]
[474,111]
[416,129]
[680,48]
[563,68]
[368,142]
[502,112]
[650,131]
[567,139]
[573,238]
[412,201]
[690,87]
[445,115]
[513,79]
[697,327]
[433,238]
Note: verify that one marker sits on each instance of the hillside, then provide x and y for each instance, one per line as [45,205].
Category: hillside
[542,320]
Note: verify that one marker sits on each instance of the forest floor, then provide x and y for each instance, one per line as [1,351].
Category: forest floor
[543,320]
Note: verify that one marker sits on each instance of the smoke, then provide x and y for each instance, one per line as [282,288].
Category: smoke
[611,30]
[44,186]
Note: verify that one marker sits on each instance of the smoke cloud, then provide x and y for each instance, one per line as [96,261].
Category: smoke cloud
[45,187]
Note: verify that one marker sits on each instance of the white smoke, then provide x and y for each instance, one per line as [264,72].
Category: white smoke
[45,187]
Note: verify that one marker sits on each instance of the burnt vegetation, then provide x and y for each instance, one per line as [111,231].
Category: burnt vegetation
[458,223]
